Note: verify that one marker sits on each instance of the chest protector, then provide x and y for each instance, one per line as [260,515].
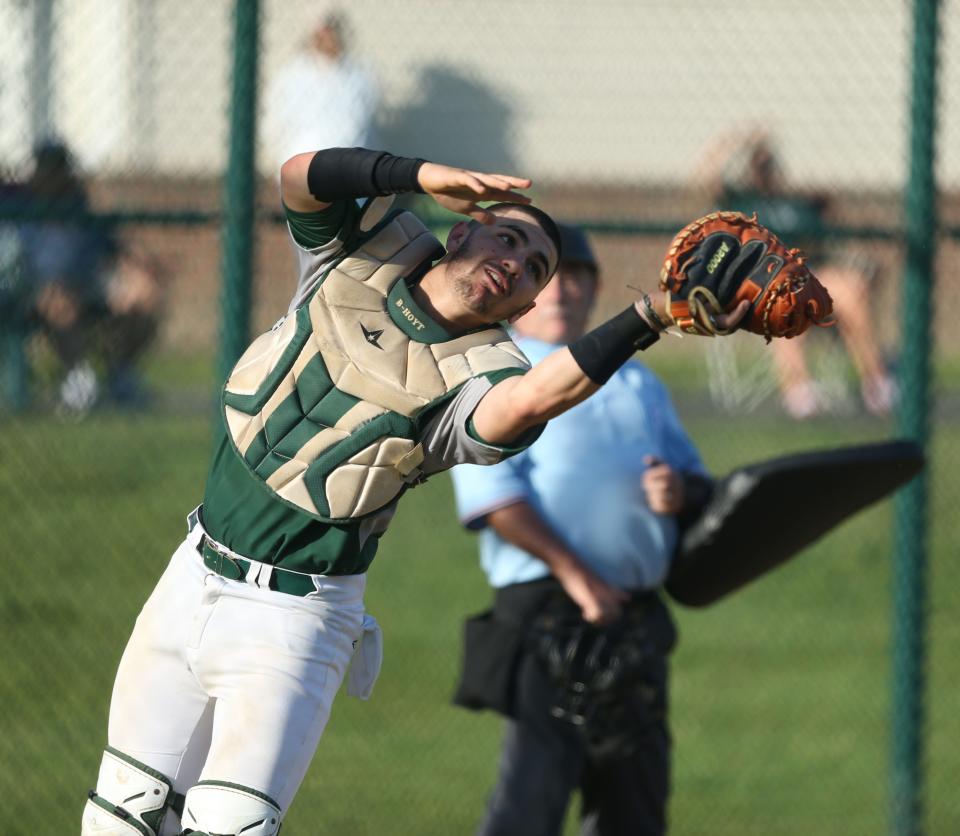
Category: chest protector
[323,409]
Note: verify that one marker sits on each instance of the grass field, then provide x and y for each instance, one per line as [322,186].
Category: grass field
[780,695]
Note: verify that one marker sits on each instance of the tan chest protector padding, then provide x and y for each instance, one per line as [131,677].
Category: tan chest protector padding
[323,408]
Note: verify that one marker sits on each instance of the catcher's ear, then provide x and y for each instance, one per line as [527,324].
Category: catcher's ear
[458,234]
[522,312]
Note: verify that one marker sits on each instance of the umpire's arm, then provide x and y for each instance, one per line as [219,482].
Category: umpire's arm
[520,524]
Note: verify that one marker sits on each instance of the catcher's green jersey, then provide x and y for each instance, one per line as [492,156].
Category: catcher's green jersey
[286,504]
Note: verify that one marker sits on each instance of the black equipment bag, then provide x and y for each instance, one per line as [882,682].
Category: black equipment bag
[763,514]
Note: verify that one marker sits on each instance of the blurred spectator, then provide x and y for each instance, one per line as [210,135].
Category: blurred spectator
[321,98]
[95,299]
[745,175]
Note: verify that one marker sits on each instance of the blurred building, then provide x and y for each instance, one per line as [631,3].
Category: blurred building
[569,90]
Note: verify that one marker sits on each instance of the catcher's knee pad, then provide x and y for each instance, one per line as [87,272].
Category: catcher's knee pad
[131,799]
[216,807]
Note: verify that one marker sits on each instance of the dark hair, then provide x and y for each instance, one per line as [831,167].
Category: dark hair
[542,219]
[54,173]
[52,154]
[576,247]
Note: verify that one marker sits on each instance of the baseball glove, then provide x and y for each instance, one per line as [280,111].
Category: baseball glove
[717,261]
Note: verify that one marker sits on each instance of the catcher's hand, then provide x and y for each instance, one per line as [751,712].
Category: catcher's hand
[724,258]
[459,190]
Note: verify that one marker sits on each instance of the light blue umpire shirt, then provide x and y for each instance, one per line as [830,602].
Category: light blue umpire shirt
[584,477]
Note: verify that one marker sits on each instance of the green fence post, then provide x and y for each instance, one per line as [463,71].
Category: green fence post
[239,190]
[13,367]
[911,506]
[40,72]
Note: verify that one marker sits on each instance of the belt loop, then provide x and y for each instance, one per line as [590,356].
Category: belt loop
[195,532]
[263,578]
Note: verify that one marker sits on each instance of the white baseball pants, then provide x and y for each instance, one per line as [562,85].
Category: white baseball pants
[226,681]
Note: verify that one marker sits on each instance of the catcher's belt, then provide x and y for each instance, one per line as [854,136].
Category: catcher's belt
[235,567]
[325,408]
[762,515]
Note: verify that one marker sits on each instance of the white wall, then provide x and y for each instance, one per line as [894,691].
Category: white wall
[617,91]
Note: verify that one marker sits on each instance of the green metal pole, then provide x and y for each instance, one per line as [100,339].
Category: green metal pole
[41,71]
[239,190]
[911,506]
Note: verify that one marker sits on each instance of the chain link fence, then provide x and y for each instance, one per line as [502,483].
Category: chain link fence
[632,118]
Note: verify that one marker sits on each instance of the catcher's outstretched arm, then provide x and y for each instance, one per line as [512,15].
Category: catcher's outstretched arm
[572,374]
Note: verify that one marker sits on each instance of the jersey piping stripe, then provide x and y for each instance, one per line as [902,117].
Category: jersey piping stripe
[252,404]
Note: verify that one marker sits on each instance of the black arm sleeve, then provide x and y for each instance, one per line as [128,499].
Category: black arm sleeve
[348,173]
[602,351]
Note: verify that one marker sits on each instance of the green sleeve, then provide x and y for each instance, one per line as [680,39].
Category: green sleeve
[518,445]
[314,229]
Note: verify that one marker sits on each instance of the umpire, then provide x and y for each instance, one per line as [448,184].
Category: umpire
[576,535]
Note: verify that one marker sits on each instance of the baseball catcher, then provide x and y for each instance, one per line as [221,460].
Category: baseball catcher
[390,365]
[724,258]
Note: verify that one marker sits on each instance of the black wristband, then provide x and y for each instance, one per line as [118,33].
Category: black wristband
[607,347]
[395,175]
[348,173]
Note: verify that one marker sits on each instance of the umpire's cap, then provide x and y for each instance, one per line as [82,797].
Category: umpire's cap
[575,246]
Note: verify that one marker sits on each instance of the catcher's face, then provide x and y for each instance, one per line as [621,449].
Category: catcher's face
[563,306]
[497,270]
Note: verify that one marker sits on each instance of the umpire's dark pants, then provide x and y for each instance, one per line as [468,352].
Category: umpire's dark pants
[544,760]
